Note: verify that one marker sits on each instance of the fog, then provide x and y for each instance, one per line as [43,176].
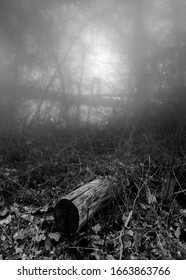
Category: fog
[93,132]
[64,51]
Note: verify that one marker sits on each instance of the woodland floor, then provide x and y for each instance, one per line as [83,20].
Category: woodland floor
[39,168]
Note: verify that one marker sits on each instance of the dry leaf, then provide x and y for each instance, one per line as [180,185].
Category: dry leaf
[4,212]
[110,257]
[27,217]
[21,234]
[96,228]
[55,236]
[48,244]
[151,198]
[6,221]
[177,233]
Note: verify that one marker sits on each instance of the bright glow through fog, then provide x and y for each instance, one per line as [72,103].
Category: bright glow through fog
[100,58]
[101,61]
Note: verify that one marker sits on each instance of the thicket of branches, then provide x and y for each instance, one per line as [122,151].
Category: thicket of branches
[43,48]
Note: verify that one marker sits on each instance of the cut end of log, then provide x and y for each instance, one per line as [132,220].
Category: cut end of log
[76,208]
[67,216]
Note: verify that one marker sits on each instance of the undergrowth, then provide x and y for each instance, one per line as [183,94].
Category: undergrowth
[146,221]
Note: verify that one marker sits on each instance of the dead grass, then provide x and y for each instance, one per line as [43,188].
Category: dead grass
[147,221]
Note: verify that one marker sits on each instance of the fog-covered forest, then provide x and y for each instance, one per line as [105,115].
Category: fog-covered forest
[92,129]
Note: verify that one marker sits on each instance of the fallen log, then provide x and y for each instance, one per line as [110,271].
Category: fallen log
[74,209]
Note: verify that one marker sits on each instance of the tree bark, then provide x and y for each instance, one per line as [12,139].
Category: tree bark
[76,208]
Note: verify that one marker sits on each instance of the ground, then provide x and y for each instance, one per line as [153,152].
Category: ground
[146,221]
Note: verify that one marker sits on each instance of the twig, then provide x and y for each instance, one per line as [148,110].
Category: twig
[11,180]
[122,232]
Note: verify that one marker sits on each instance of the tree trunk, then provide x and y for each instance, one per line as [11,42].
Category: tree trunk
[139,58]
[75,209]
[179,36]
